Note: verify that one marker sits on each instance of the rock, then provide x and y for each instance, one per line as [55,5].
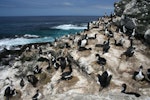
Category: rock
[109,96]
[83,85]
[88,69]
[138,13]
[62,45]
[17,64]
[129,24]
[147,36]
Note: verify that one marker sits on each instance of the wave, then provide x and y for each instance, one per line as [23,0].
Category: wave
[9,43]
[30,36]
[70,26]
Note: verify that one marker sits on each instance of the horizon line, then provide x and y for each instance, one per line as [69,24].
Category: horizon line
[47,15]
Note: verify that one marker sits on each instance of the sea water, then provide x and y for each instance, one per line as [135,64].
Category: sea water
[35,29]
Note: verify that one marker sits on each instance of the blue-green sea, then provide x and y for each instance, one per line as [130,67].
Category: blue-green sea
[34,29]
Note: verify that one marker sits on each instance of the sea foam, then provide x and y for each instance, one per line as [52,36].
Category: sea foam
[70,26]
[8,43]
[31,36]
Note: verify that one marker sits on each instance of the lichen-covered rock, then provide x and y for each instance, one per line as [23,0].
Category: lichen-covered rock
[128,22]
[138,11]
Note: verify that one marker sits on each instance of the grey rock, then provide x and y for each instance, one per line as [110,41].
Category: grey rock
[147,36]
[128,22]
[108,96]
[134,9]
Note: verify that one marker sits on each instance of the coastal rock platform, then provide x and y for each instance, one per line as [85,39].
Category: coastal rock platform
[83,85]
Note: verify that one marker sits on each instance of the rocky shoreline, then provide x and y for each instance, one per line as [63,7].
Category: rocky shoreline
[83,84]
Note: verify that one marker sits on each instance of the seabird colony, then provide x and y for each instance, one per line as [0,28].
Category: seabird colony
[65,63]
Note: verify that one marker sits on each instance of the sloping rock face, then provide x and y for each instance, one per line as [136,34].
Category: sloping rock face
[108,96]
[139,13]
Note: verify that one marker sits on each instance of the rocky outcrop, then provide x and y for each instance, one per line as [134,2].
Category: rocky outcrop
[83,84]
[138,13]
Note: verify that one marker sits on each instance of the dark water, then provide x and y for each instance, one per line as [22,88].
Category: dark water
[14,29]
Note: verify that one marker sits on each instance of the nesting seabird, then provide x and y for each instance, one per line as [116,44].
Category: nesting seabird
[106,46]
[104,79]
[124,86]
[83,48]
[9,92]
[32,79]
[22,83]
[100,60]
[37,70]
[148,74]
[139,75]
[63,63]
[129,52]
[67,75]
[120,42]
[37,96]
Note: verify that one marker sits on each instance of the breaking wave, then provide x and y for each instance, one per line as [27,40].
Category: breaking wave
[8,42]
[70,26]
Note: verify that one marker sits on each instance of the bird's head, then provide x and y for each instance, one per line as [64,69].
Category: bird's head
[141,67]
[97,55]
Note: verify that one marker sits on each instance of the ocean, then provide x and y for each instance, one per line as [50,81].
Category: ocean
[36,29]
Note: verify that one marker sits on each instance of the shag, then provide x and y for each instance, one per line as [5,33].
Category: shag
[106,46]
[108,33]
[99,45]
[40,50]
[22,83]
[37,70]
[63,63]
[37,96]
[100,60]
[42,59]
[67,75]
[84,41]
[83,48]
[56,65]
[148,74]
[32,79]
[104,79]
[9,92]
[49,66]
[120,42]
[129,52]
[138,75]
[124,86]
